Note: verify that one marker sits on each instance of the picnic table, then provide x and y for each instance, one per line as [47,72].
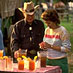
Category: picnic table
[47,69]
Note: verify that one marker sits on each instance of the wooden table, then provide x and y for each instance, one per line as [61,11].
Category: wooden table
[47,69]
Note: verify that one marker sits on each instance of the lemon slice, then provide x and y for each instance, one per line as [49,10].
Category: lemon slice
[29,59]
[24,57]
[35,58]
[5,57]
[1,58]
[18,58]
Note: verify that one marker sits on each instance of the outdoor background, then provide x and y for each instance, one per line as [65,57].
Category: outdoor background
[66,21]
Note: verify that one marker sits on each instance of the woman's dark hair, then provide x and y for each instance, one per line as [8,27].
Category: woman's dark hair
[51,15]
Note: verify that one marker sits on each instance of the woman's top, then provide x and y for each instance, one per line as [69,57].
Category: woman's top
[57,37]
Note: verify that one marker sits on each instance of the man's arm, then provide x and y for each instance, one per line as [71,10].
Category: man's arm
[14,39]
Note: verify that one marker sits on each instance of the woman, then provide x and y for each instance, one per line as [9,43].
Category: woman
[56,40]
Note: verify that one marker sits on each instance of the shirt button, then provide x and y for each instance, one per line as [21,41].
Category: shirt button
[30,28]
[30,39]
[24,35]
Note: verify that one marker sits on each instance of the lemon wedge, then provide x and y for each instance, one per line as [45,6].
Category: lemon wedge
[29,59]
[5,57]
[18,58]
[1,57]
[24,57]
[35,58]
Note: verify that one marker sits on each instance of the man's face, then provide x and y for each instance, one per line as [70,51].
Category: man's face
[29,18]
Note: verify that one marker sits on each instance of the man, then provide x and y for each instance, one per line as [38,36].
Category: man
[27,33]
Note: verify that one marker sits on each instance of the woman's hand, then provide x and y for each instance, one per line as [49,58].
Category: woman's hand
[16,53]
[44,45]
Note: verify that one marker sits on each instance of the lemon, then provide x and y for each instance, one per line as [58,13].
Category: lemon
[29,59]
[18,58]
[1,57]
[35,58]
[5,57]
[24,57]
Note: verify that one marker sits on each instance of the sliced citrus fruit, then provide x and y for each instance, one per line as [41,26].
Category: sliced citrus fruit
[35,58]
[1,57]
[29,59]
[24,57]
[18,58]
[5,57]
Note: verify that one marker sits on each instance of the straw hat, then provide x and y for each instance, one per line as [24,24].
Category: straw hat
[29,8]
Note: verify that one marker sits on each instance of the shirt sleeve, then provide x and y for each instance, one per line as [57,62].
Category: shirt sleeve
[14,39]
[65,40]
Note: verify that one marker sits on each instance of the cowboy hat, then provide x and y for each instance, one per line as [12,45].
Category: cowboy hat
[29,8]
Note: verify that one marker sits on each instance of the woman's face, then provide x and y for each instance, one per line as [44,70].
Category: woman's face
[51,24]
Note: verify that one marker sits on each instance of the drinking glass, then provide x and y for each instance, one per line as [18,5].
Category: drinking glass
[31,65]
[21,64]
[37,64]
[26,66]
[1,53]
[43,56]
[2,64]
[9,63]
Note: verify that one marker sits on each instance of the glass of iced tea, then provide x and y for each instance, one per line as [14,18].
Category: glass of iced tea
[31,65]
[43,56]
[9,62]
[1,53]
[22,53]
[21,64]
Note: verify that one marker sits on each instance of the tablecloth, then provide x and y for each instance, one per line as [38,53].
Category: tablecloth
[47,69]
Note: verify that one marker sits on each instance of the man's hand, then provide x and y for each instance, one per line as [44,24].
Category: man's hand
[16,53]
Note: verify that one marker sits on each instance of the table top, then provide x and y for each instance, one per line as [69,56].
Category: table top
[47,69]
